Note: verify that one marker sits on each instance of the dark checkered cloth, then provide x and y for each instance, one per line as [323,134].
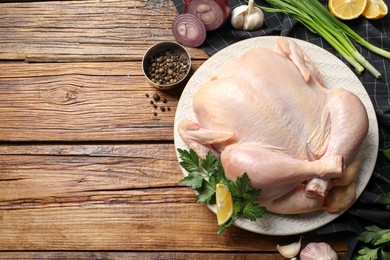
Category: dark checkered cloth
[369,209]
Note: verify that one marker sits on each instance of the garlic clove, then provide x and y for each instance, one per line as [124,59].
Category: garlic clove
[238,16]
[254,20]
[290,250]
[240,9]
[247,17]
[318,251]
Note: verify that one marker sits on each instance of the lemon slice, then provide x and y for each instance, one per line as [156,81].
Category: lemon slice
[347,9]
[224,204]
[375,9]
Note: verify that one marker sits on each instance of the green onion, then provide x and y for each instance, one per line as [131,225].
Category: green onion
[351,33]
[314,16]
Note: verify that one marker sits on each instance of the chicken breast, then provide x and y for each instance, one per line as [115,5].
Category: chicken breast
[268,114]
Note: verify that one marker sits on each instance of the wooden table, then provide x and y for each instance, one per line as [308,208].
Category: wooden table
[87,171]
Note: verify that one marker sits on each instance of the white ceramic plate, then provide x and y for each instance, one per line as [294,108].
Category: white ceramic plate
[335,74]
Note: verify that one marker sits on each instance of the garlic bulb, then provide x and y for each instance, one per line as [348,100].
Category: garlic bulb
[318,251]
[290,250]
[247,17]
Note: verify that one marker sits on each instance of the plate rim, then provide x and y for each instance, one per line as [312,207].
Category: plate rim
[372,137]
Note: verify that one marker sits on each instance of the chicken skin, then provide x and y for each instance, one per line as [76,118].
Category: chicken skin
[269,114]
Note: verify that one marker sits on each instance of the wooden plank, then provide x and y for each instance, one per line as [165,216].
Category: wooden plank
[100,30]
[106,222]
[110,222]
[96,197]
[51,171]
[146,255]
[82,102]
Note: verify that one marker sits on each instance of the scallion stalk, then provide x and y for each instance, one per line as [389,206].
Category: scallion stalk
[319,20]
[351,33]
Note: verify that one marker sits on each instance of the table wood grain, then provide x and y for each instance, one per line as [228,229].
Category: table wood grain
[87,171]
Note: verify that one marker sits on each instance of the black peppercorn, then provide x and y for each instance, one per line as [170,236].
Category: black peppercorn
[167,67]
[156,97]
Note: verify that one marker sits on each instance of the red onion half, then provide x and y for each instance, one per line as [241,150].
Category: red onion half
[188,30]
[212,13]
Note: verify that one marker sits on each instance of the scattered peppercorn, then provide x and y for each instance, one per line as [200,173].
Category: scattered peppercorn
[157,102]
[167,67]
[156,97]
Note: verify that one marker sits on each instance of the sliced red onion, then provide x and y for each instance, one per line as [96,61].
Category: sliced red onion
[213,13]
[188,30]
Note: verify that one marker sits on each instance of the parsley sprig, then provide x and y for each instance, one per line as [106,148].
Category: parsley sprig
[386,200]
[376,239]
[203,176]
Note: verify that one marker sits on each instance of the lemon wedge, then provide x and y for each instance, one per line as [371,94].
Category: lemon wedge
[224,203]
[375,9]
[347,9]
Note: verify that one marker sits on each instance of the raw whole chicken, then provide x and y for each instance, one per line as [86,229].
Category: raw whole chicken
[268,114]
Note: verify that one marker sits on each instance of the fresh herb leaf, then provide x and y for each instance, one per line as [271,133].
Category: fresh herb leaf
[210,164]
[243,184]
[253,210]
[369,236]
[386,199]
[233,188]
[220,174]
[385,255]
[384,237]
[203,176]
[246,189]
[375,235]
[377,238]
[192,180]
[251,195]
[189,160]
[236,209]
[367,254]
[386,152]
[207,193]
[242,188]
[244,194]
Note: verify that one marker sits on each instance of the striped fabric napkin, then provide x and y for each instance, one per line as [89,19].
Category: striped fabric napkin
[368,209]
